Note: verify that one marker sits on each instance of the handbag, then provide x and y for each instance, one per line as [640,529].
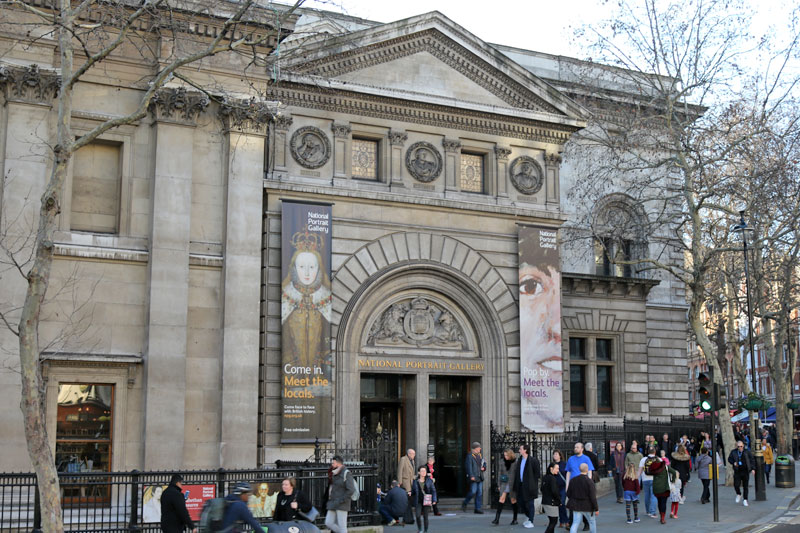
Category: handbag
[427,499]
[310,516]
[503,478]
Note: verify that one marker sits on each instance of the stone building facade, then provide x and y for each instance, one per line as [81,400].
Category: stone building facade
[419,137]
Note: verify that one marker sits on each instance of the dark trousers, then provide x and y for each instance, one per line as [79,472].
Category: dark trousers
[551,525]
[526,502]
[662,504]
[421,512]
[618,484]
[386,512]
[741,479]
[767,470]
[706,496]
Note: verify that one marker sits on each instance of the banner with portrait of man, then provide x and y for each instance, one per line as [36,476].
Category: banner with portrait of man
[306,390]
[540,330]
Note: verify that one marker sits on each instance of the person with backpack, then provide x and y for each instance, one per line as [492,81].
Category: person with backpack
[647,482]
[174,515]
[423,496]
[342,490]
[237,512]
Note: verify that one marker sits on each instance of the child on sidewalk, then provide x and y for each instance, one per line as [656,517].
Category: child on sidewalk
[631,488]
[675,497]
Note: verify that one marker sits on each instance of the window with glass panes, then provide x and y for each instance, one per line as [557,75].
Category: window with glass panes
[365,158]
[471,172]
[591,359]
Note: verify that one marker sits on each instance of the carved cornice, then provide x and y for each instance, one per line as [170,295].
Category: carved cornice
[341,130]
[178,106]
[444,49]
[29,84]
[451,145]
[588,285]
[293,94]
[282,122]
[552,160]
[246,116]
[397,138]
[502,153]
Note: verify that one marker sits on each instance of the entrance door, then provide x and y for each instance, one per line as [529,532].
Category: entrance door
[448,431]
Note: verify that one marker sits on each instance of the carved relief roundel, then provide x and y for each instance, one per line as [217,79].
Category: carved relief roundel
[310,147]
[424,162]
[526,175]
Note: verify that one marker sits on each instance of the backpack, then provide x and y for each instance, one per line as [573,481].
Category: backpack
[356,493]
[649,465]
[212,515]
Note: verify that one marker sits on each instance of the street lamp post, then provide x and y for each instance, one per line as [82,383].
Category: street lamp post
[761,493]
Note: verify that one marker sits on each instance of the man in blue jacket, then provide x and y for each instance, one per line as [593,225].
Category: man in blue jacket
[237,512]
[475,467]
[393,507]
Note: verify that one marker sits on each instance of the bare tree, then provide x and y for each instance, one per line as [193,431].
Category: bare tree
[169,37]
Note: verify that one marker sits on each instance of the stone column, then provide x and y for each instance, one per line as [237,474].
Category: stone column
[397,140]
[246,128]
[341,149]
[175,112]
[423,417]
[552,163]
[501,155]
[452,164]
[278,146]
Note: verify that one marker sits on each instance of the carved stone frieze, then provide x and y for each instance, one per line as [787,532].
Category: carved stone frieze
[29,84]
[552,160]
[424,161]
[451,145]
[248,116]
[397,138]
[341,130]
[282,122]
[502,153]
[526,175]
[417,322]
[178,105]
[310,147]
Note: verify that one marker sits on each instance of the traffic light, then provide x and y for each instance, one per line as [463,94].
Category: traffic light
[720,397]
[704,392]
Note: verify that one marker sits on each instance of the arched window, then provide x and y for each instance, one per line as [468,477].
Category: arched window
[618,229]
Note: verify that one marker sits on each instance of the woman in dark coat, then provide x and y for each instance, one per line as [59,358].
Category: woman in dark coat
[563,516]
[681,461]
[505,486]
[421,486]
[290,501]
[551,497]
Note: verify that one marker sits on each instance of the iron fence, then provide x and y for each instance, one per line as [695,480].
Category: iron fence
[95,502]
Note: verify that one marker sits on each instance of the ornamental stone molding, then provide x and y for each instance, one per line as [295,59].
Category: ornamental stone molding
[451,145]
[417,322]
[502,153]
[424,162]
[282,122]
[526,175]
[29,84]
[398,138]
[552,159]
[310,147]
[247,116]
[341,130]
[177,105]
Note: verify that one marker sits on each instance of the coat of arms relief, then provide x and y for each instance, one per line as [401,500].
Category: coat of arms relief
[417,322]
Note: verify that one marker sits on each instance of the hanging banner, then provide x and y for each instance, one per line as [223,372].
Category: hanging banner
[540,330]
[306,387]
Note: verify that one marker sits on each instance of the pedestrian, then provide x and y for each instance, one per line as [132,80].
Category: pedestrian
[662,475]
[551,498]
[341,486]
[237,512]
[526,483]
[174,515]
[618,469]
[704,472]
[589,451]
[394,504]
[743,464]
[505,486]
[406,468]
[769,457]
[681,461]
[423,495]
[634,456]
[563,517]
[675,496]
[574,469]
[662,454]
[647,483]
[290,501]
[632,488]
[582,499]
[431,467]
[475,467]
[666,444]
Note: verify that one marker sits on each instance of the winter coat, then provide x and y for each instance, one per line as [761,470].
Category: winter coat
[237,513]
[703,462]
[550,493]
[769,457]
[530,478]
[174,516]
[633,458]
[508,484]
[283,505]
[631,485]
[618,462]
[475,466]
[748,462]
[663,474]
[405,472]
[582,494]
[341,488]
[561,478]
[397,501]
[418,490]
[681,463]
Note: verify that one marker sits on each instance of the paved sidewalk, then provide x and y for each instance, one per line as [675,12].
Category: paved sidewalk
[692,515]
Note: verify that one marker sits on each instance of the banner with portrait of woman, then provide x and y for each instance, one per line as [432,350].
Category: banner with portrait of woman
[540,330]
[307,407]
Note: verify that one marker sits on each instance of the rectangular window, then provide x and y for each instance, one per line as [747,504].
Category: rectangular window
[604,389]
[609,253]
[365,159]
[471,173]
[577,387]
[96,178]
[603,347]
[577,348]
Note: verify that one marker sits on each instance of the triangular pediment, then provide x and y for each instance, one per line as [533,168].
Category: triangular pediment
[430,56]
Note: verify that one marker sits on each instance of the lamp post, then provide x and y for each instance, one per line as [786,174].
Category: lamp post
[761,493]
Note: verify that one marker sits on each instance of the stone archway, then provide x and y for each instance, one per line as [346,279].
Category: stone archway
[425,262]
